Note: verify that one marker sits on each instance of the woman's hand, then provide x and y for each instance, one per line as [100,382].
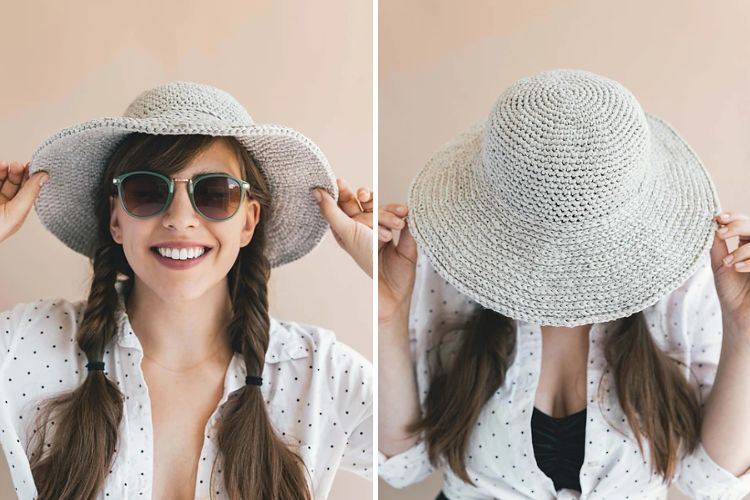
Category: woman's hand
[732,269]
[350,224]
[396,263]
[17,194]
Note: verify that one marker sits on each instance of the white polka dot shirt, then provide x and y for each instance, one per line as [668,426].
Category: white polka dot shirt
[318,393]
[500,456]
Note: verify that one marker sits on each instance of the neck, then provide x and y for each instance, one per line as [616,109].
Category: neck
[181,334]
[566,339]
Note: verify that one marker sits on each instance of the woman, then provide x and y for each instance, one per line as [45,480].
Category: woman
[574,221]
[171,380]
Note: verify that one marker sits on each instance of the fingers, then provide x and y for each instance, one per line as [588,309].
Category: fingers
[15,173]
[732,224]
[407,245]
[739,259]
[718,252]
[365,198]
[390,217]
[336,218]
[24,199]
[354,203]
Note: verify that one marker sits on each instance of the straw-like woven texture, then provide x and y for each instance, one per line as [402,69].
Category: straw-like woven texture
[568,206]
[292,164]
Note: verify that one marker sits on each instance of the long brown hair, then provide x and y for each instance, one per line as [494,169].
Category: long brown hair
[256,462]
[659,403]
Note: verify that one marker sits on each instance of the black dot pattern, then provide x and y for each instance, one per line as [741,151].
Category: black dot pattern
[318,392]
[500,456]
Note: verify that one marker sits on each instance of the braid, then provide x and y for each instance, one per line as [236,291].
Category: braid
[87,418]
[260,465]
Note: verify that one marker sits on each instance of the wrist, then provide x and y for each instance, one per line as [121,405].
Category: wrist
[735,328]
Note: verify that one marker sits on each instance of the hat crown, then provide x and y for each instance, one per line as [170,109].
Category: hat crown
[189,101]
[566,146]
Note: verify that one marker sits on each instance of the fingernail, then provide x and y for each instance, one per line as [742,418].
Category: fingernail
[384,232]
[728,259]
[724,216]
[723,230]
[741,265]
[43,179]
[401,210]
[317,196]
[399,223]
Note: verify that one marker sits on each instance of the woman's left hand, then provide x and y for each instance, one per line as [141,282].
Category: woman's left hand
[732,269]
[351,226]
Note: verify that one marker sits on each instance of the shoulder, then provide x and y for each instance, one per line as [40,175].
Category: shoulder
[57,313]
[296,340]
[689,313]
[36,329]
[331,369]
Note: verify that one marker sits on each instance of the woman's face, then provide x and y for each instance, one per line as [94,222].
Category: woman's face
[181,226]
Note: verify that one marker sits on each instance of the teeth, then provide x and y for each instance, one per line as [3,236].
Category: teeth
[181,253]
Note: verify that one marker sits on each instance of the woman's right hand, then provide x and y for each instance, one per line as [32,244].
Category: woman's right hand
[17,194]
[396,263]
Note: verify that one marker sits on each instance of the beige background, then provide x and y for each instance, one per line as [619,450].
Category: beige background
[303,64]
[443,63]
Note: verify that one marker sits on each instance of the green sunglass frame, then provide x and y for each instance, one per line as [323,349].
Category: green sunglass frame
[118,181]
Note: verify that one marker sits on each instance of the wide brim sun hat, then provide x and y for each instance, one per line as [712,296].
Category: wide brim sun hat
[291,163]
[568,206]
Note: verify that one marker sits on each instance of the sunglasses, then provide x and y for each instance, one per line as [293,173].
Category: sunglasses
[216,196]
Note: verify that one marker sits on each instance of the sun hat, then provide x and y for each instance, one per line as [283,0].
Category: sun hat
[568,206]
[292,164]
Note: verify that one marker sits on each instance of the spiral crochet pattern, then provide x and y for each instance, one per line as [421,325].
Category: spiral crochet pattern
[569,206]
[292,164]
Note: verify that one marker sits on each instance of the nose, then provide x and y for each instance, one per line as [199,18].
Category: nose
[180,213]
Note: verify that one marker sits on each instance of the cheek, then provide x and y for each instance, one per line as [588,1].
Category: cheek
[134,243]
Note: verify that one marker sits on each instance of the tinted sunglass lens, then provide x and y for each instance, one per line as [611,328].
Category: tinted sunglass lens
[144,194]
[217,197]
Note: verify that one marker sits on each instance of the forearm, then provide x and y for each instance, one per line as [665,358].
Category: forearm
[725,431]
[398,399]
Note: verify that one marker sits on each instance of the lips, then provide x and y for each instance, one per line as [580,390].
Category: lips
[179,264]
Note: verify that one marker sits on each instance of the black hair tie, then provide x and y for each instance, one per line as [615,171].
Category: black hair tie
[95,365]
[253,380]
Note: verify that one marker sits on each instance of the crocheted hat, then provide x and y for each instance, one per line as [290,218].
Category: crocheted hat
[76,156]
[569,206]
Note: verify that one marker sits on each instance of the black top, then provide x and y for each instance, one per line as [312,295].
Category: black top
[559,446]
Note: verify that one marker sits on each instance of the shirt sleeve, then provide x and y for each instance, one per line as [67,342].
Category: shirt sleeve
[354,393]
[436,307]
[699,318]
[406,468]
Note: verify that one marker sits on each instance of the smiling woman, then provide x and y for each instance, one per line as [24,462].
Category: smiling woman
[172,378]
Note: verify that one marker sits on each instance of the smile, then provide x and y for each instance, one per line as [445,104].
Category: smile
[181,258]
[181,253]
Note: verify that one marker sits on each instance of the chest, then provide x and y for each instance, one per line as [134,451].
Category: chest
[561,387]
[180,410]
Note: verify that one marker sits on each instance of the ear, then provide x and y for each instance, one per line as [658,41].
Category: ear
[114,221]
[251,220]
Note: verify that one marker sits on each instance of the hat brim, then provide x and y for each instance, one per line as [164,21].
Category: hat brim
[291,163]
[580,275]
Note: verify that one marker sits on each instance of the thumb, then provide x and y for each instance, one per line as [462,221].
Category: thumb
[407,246]
[336,218]
[718,252]
[21,203]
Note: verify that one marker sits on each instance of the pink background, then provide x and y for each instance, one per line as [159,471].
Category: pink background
[302,64]
[443,64]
